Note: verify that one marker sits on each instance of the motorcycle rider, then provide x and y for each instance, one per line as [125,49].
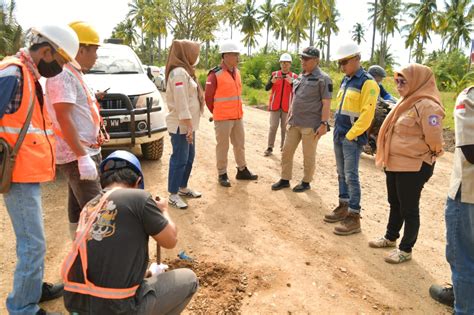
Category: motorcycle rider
[378,73]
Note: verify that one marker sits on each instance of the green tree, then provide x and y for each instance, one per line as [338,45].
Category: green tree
[456,23]
[11,33]
[305,13]
[194,19]
[280,27]
[232,12]
[267,17]
[358,33]
[387,18]
[329,26]
[156,15]
[374,31]
[126,30]
[250,25]
[425,16]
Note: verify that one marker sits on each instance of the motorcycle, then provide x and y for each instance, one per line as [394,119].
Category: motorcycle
[382,109]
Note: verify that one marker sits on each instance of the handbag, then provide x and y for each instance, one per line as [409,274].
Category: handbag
[8,154]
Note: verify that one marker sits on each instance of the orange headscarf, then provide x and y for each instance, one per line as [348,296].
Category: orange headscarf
[421,85]
[184,53]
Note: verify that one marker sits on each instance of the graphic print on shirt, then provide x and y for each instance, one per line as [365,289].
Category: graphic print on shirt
[104,224]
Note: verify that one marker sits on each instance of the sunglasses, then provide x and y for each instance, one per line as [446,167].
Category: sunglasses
[345,61]
[400,82]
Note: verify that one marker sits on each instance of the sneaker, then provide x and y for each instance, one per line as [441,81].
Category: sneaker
[282,183]
[338,214]
[444,295]
[176,201]
[303,186]
[382,242]
[268,151]
[245,174]
[43,312]
[397,256]
[51,291]
[186,192]
[224,180]
[350,225]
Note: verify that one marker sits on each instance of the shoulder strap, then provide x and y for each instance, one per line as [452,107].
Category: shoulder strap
[26,125]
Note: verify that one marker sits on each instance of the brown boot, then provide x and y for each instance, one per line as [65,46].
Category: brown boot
[338,214]
[350,225]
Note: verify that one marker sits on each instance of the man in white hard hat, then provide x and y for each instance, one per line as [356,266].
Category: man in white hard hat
[77,124]
[281,84]
[50,47]
[308,119]
[224,100]
[356,101]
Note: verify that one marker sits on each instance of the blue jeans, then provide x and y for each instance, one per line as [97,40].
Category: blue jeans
[460,252]
[347,161]
[23,203]
[181,162]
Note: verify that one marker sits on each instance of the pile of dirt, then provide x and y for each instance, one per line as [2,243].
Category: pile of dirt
[449,140]
[221,288]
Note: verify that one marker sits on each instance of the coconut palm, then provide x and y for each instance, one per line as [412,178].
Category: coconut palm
[358,33]
[11,33]
[156,15]
[250,25]
[232,12]
[304,12]
[267,17]
[126,31]
[374,24]
[456,23]
[329,26]
[280,27]
[136,14]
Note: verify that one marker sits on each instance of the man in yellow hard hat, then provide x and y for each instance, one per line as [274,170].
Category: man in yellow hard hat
[25,127]
[77,124]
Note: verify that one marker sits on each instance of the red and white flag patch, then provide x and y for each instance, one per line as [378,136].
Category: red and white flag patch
[178,84]
[460,108]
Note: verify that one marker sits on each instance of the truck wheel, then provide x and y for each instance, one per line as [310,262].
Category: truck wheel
[153,150]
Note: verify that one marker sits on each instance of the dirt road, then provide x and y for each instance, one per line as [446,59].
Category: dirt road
[262,252]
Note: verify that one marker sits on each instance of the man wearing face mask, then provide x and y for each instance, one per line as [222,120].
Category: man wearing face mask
[75,115]
[50,47]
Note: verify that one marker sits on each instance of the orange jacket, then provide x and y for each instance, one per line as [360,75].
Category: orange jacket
[227,98]
[35,161]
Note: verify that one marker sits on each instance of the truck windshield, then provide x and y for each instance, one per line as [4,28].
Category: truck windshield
[118,60]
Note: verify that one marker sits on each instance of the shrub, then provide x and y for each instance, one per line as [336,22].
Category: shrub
[449,68]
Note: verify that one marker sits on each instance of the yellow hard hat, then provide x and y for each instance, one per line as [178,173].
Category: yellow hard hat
[86,33]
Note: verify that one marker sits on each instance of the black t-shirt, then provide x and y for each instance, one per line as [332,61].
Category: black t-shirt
[117,251]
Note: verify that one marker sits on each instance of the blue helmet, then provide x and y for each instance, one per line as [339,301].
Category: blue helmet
[121,159]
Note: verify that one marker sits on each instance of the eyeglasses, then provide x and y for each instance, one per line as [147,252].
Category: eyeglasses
[344,62]
[400,82]
[114,164]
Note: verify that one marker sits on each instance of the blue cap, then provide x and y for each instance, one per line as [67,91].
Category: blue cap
[131,162]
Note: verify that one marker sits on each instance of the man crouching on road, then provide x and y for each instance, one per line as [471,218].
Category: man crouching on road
[308,119]
[112,243]
[224,100]
[76,120]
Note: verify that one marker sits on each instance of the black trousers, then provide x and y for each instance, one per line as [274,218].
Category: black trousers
[404,191]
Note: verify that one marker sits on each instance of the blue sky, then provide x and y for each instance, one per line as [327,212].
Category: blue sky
[104,15]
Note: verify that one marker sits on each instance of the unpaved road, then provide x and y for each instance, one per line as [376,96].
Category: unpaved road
[263,252]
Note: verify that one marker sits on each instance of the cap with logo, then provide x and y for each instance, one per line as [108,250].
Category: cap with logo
[310,52]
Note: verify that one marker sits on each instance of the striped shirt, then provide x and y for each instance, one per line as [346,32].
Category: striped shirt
[11,89]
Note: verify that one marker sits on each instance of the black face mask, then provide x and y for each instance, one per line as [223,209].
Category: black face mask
[49,69]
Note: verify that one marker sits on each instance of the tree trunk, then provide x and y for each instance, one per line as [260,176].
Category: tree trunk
[230,30]
[328,48]
[373,35]
[266,43]
[311,34]
[159,48]
[207,54]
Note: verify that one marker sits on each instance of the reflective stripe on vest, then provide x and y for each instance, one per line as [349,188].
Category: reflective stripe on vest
[34,162]
[227,98]
[79,248]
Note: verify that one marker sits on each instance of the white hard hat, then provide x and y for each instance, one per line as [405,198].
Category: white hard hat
[286,57]
[346,51]
[229,47]
[62,38]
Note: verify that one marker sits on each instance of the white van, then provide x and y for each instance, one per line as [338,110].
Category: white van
[133,110]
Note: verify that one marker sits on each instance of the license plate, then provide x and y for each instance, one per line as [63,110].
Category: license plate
[112,122]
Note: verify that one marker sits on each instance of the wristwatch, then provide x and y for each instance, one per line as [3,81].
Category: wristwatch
[324,122]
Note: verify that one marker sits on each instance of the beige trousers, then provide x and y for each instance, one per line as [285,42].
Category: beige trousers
[233,130]
[277,117]
[293,137]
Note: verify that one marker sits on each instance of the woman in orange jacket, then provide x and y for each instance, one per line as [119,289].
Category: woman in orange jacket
[410,140]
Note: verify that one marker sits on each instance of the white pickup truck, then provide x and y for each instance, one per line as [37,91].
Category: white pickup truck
[133,110]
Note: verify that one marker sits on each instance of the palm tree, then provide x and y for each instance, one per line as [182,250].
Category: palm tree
[136,13]
[329,26]
[307,11]
[11,33]
[374,22]
[156,15]
[387,19]
[358,33]
[267,17]
[280,27]
[425,16]
[126,31]
[232,12]
[250,25]
[456,24]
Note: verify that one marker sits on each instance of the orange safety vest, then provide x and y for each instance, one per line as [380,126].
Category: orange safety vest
[282,92]
[35,162]
[227,98]
[93,105]
[79,248]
